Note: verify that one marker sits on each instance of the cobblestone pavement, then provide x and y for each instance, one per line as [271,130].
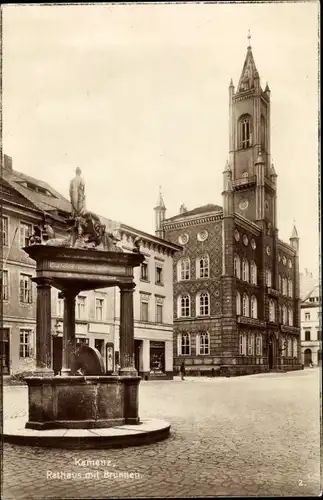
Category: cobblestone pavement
[247,436]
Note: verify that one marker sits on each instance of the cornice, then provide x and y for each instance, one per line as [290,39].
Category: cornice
[281,244]
[247,224]
[193,221]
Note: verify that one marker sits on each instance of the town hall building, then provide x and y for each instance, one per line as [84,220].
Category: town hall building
[236,284]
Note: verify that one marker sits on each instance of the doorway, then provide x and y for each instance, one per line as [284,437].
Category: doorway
[5,351]
[57,354]
[307,357]
[99,345]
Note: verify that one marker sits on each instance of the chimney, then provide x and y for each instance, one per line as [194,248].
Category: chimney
[182,209]
[7,162]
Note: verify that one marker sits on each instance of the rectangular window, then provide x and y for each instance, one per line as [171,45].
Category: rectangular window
[99,306]
[4,231]
[307,316]
[144,311]
[319,335]
[80,312]
[25,289]
[307,335]
[4,288]
[26,231]
[82,340]
[144,271]
[159,275]
[159,313]
[24,346]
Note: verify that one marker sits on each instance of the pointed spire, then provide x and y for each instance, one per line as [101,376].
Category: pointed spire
[249,38]
[227,168]
[294,232]
[272,170]
[267,89]
[231,83]
[160,201]
[249,71]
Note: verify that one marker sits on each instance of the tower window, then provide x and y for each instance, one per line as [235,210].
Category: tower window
[245,132]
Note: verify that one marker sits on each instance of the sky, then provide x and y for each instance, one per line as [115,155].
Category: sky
[137,96]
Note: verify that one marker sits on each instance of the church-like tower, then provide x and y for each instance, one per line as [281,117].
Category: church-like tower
[253,176]
[160,212]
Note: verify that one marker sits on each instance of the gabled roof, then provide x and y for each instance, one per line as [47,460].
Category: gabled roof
[204,209]
[49,200]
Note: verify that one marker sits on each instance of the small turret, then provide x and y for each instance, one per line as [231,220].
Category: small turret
[227,190]
[160,212]
[182,209]
[260,159]
[294,239]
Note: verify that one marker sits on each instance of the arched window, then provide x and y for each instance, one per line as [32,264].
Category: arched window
[237,266]
[184,269]
[295,348]
[184,306]
[284,286]
[259,345]
[254,309]
[290,288]
[183,344]
[290,316]
[253,272]
[243,344]
[280,314]
[289,348]
[284,311]
[272,315]
[280,283]
[238,304]
[268,278]
[203,304]
[203,343]
[245,305]
[245,132]
[245,270]
[251,344]
[203,265]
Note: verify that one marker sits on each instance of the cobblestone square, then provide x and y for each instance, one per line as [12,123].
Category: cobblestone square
[257,435]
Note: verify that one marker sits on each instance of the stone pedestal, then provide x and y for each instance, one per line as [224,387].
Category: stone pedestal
[77,402]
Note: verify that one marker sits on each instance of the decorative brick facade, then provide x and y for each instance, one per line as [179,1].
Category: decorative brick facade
[252,322]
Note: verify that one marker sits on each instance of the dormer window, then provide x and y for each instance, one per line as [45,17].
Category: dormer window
[245,132]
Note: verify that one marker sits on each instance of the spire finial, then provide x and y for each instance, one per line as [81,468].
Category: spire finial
[249,38]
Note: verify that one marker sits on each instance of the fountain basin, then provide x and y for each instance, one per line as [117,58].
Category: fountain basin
[82,402]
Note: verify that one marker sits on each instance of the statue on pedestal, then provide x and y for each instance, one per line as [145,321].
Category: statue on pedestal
[77,194]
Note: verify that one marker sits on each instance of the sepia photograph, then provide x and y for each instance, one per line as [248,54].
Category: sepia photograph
[160,280]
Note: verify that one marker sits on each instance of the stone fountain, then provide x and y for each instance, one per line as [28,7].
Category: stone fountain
[63,408]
